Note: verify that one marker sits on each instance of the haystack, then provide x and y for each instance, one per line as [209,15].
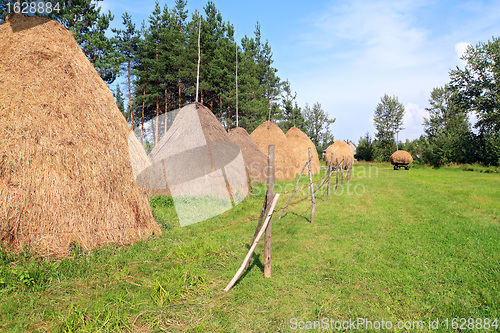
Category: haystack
[268,133]
[301,142]
[196,159]
[255,160]
[65,171]
[340,151]
[400,157]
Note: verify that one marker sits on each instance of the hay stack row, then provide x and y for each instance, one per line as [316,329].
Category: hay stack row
[342,153]
[255,159]
[291,150]
[65,171]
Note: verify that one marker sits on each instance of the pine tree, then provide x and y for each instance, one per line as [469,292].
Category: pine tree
[84,19]
[181,61]
[127,42]
[292,114]
[120,101]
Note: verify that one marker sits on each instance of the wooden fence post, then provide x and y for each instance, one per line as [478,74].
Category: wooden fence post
[337,169]
[254,245]
[313,201]
[330,166]
[269,229]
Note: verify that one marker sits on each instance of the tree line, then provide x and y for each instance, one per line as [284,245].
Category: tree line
[159,58]
[449,135]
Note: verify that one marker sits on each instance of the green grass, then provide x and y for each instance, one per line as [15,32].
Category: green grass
[393,245]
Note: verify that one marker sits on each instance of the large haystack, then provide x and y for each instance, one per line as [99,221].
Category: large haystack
[301,142]
[255,160]
[196,159]
[268,133]
[340,151]
[65,172]
[400,157]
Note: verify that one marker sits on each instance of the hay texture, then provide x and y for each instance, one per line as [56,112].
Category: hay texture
[65,171]
[255,160]
[340,150]
[400,157]
[196,159]
[268,133]
[301,142]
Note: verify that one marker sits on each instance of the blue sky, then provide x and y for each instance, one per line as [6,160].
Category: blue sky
[347,54]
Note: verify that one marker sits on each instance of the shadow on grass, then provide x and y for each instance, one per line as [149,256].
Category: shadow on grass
[254,262]
[298,216]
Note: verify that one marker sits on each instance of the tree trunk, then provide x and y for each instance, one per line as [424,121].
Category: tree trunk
[166,112]
[157,114]
[179,87]
[130,99]
[142,122]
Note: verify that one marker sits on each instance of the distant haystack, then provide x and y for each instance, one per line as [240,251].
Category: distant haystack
[255,160]
[199,165]
[268,133]
[301,143]
[400,157]
[340,151]
[65,172]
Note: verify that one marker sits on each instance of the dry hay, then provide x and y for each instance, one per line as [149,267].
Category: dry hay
[401,157]
[340,151]
[65,171]
[255,160]
[268,133]
[301,142]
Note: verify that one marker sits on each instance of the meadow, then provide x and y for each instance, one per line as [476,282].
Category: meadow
[395,246]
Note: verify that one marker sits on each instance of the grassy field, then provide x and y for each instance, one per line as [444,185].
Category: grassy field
[410,246]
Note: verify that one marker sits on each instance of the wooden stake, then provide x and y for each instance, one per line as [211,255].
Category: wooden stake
[337,169]
[313,201]
[269,192]
[330,166]
[254,245]
[342,173]
[269,229]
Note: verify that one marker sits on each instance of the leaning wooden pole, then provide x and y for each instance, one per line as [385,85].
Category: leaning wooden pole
[254,245]
[330,166]
[313,201]
[269,229]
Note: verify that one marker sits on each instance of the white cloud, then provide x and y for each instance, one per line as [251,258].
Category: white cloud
[460,49]
[383,33]
[413,121]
